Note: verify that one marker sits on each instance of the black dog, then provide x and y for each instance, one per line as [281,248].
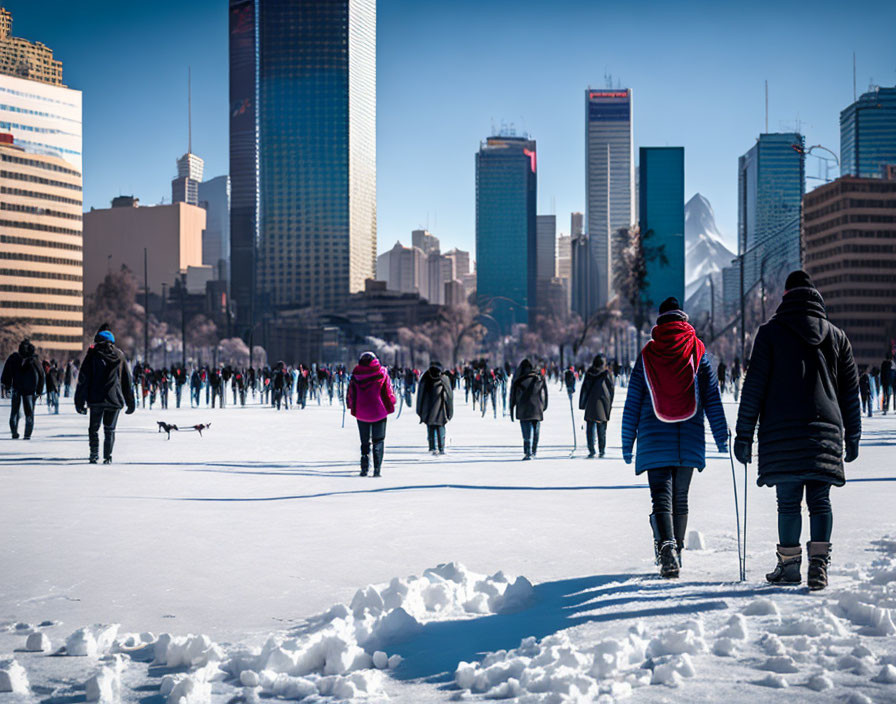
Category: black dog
[166,427]
[201,426]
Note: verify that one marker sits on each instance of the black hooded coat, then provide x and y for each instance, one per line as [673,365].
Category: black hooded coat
[803,389]
[528,394]
[435,398]
[104,380]
[23,371]
[596,394]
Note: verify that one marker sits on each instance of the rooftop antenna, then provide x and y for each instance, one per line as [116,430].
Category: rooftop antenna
[189,109]
[766,106]
[854,96]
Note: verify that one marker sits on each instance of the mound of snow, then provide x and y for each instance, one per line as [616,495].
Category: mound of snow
[105,685]
[91,641]
[761,607]
[695,541]
[13,677]
[38,643]
[773,681]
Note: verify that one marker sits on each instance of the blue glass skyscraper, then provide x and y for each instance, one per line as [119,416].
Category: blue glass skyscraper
[770,186]
[506,192]
[868,134]
[661,211]
[313,88]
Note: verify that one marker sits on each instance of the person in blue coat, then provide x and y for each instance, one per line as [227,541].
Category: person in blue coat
[672,387]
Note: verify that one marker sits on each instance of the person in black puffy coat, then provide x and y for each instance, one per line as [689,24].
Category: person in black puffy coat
[803,389]
[528,402]
[104,387]
[596,399]
[24,374]
[435,405]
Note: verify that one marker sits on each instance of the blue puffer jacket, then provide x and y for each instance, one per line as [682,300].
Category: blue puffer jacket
[672,444]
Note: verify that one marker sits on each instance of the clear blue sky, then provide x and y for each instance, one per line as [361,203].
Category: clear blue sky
[448,71]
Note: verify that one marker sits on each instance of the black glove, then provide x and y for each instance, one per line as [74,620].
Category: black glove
[852,450]
[130,410]
[743,450]
[82,410]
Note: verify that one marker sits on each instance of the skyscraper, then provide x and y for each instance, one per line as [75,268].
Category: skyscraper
[403,269]
[185,187]
[304,199]
[214,196]
[770,187]
[868,134]
[545,247]
[30,60]
[609,191]
[425,241]
[506,190]
[662,214]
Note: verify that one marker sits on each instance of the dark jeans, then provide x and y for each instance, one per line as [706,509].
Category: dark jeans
[866,405]
[601,430]
[375,433]
[669,489]
[530,430]
[436,436]
[108,418]
[887,390]
[790,519]
[26,401]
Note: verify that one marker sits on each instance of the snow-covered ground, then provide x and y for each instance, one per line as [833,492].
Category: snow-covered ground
[493,577]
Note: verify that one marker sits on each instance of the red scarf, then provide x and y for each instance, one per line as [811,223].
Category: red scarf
[671,359]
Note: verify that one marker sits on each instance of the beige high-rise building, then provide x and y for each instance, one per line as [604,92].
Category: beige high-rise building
[25,59]
[116,236]
[41,248]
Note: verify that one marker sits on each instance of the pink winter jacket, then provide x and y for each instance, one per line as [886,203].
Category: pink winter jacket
[370,397]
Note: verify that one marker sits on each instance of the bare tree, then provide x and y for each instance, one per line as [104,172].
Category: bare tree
[457,329]
[12,332]
[636,252]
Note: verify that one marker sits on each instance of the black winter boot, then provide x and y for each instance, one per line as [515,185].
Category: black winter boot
[787,570]
[527,451]
[819,559]
[664,544]
[680,528]
[365,464]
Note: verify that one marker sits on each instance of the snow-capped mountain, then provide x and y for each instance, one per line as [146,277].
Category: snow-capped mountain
[705,250]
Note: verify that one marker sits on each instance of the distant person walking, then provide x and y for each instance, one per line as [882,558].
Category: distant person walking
[596,399]
[672,387]
[803,389]
[887,380]
[104,388]
[435,405]
[528,402]
[370,399]
[24,375]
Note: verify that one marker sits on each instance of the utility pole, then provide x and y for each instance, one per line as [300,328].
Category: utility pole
[145,307]
[183,320]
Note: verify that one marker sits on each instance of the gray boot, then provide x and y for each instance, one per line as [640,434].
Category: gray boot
[787,571]
[819,559]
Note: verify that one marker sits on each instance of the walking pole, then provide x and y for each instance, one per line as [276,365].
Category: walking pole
[572,413]
[743,569]
[740,561]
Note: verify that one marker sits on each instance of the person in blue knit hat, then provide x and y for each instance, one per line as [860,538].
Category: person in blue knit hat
[104,387]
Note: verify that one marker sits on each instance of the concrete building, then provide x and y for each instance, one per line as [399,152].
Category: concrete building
[849,242]
[661,197]
[302,154]
[29,60]
[185,187]
[454,293]
[564,266]
[439,271]
[576,224]
[41,254]
[425,241]
[868,134]
[403,269]
[506,191]
[609,191]
[461,262]
[545,247]
[214,196]
[116,237]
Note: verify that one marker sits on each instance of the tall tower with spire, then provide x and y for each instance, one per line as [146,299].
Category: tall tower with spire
[185,188]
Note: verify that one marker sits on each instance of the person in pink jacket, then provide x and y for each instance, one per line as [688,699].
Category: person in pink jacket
[370,399]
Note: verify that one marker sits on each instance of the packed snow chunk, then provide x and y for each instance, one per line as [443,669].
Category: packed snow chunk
[773,681]
[38,643]
[857,698]
[695,541]
[772,645]
[185,689]
[357,685]
[669,669]
[92,641]
[394,661]
[820,683]
[724,647]
[13,677]
[781,664]
[877,620]
[396,626]
[736,628]
[187,651]
[104,686]
[517,596]
[380,660]
[676,642]
[887,675]
[761,607]
[249,678]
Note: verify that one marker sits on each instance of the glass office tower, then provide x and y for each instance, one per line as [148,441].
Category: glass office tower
[661,198]
[770,185]
[314,82]
[868,134]
[506,190]
[609,192]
